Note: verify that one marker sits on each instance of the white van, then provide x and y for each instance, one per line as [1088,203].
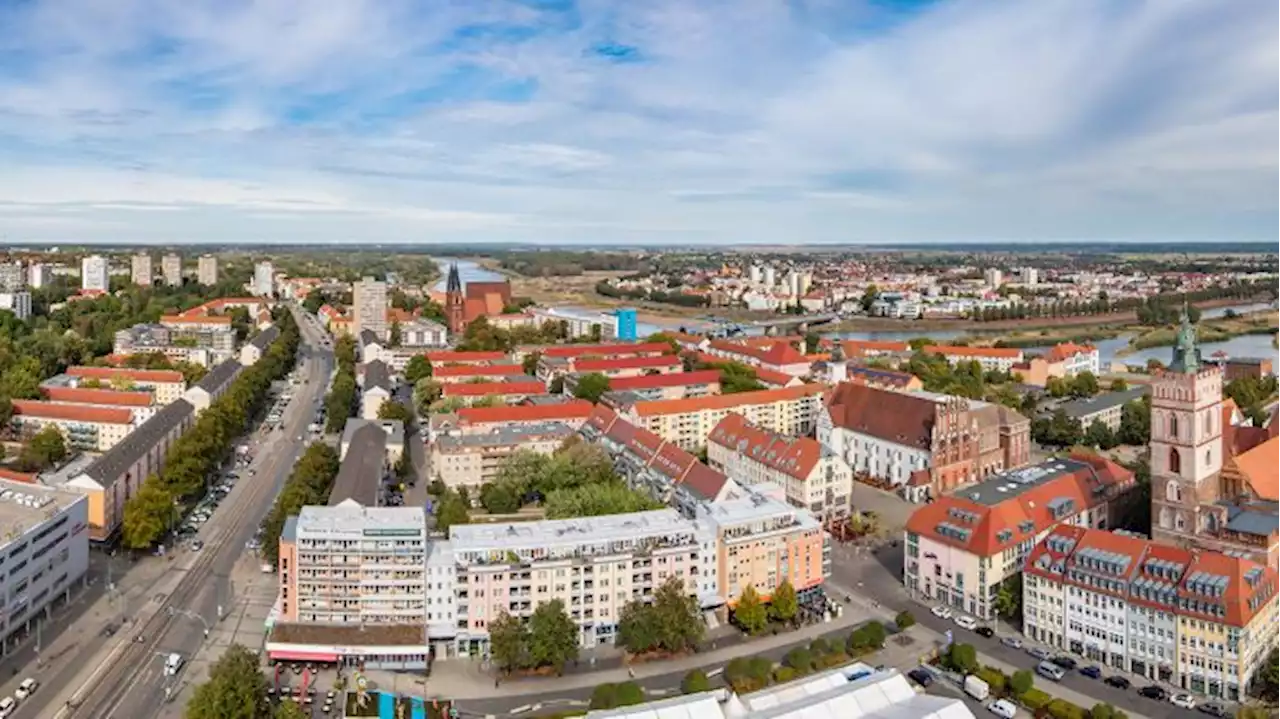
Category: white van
[1003,708]
[975,687]
[1049,670]
[172,664]
[25,689]
[7,706]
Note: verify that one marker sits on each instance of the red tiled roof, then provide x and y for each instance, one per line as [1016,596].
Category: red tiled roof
[672,379]
[574,409]
[777,353]
[194,320]
[602,418]
[1235,597]
[773,378]
[1063,350]
[484,389]
[446,356]
[1085,487]
[619,363]
[724,401]
[137,375]
[82,395]
[1260,469]
[71,412]
[660,455]
[856,348]
[607,350]
[897,417]
[872,375]
[492,370]
[793,456]
[957,351]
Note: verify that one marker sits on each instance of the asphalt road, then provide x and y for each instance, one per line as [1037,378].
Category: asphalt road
[135,686]
[878,577]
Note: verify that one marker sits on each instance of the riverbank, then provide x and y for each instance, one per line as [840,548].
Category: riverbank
[1220,330]
[924,326]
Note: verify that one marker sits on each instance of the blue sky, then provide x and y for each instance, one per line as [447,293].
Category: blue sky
[672,121]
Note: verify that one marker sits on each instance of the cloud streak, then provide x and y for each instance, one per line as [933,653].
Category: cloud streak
[599,122]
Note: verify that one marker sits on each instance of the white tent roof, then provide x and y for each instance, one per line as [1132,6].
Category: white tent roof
[831,695]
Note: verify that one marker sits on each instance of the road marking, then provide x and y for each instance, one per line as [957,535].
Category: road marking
[520,709]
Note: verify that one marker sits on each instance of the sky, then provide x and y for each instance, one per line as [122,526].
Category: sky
[693,122]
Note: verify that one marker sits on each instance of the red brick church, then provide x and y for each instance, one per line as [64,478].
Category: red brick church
[478,299]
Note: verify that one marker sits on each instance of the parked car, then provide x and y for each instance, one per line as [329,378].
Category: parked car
[1117,682]
[987,632]
[1092,671]
[941,612]
[965,621]
[1003,708]
[25,689]
[920,676]
[1066,662]
[1013,642]
[1152,691]
[1049,670]
[1039,653]
[1183,700]
[1213,710]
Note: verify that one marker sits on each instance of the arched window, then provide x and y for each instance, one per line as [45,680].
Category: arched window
[1173,426]
[1175,461]
[1173,492]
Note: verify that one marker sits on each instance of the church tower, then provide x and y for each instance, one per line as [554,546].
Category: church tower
[453,302]
[1186,445]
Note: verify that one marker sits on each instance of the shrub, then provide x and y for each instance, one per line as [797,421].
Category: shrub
[820,647]
[994,678]
[1022,682]
[760,669]
[694,682]
[604,696]
[1062,709]
[904,620]
[628,694]
[876,634]
[1035,699]
[799,659]
[961,658]
[783,674]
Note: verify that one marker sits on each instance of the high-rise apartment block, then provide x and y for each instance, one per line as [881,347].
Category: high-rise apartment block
[264,279]
[171,266]
[369,299]
[140,270]
[93,274]
[207,270]
[39,274]
[12,277]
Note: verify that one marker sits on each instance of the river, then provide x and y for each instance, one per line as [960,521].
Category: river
[1243,346]
[468,271]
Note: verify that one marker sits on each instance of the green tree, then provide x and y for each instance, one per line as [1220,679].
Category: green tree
[1135,423]
[396,335]
[750,612]
[591,386]
[6,410]
[45,449]
[904,620]
[425,393]
[147,514]
[1084,384]
[451,510]
[508,642]
[234,690]
[1009,598]
[1057,387]
[1119,385]
[784,605]
[394,410]
[962,658]
[1099,435]
[869,297]
[417,368]
[694,682]
[736,377]
[812,342]
[799,659]
[553,636]
[597,499]
[1021,682]
[1106,711]
[530,363]
[500,497]
[612,696]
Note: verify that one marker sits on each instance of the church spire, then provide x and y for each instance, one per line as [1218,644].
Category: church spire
[1186,350]
[454,283]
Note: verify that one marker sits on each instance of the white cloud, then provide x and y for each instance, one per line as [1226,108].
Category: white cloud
[755,120]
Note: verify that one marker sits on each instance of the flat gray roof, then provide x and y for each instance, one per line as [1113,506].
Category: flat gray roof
[1107,400]
[392,428]
[23,506]
[1000,487]
[506,436]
